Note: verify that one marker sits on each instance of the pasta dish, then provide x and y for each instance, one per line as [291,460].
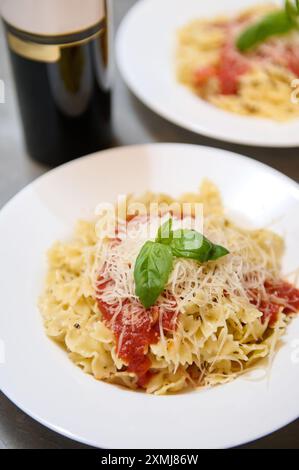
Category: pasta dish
[246,64]
[170,310]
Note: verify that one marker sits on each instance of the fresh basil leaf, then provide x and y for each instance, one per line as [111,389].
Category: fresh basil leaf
[191,244]
[272,24]
[155,260]
[152,269]
[217,252]
[165,233]
[292,11]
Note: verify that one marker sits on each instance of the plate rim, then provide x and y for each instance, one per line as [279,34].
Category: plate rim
[105,152]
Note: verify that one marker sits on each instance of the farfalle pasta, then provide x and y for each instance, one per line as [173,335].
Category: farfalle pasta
[256,82]
[213,321]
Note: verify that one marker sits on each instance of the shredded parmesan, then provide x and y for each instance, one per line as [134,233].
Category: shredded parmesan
[219,330]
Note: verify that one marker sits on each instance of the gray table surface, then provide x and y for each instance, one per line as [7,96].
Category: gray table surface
[133,124]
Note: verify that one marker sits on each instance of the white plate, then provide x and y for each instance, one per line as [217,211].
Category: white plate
[146,57]
[38,376]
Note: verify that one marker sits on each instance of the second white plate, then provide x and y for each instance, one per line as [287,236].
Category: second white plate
[146,57]
[37,375]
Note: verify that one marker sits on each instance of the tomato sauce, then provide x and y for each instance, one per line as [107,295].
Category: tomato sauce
[203,74]
[135,329]
[292,59]
[232,65]
[280,295]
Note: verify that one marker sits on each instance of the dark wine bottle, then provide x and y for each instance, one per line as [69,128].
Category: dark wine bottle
[60,54]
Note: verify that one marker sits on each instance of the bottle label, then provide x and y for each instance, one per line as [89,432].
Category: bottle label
[53,17]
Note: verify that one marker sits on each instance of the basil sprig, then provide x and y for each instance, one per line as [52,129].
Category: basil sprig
[292,11]
[276,23]
[272,24]
[165,233]
[155,260]
[152,270]
[192,245]
[189,244]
